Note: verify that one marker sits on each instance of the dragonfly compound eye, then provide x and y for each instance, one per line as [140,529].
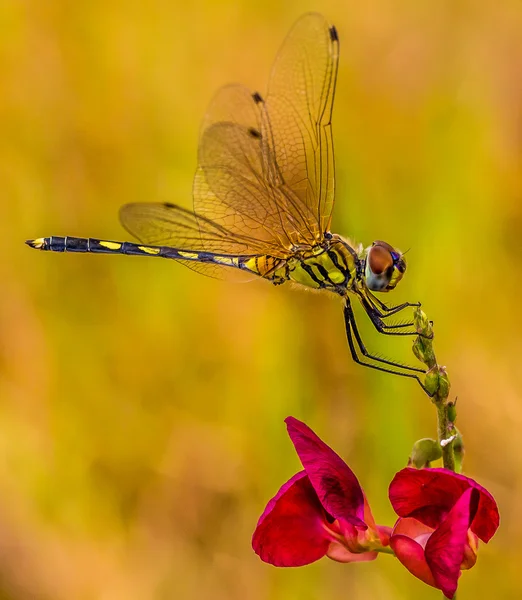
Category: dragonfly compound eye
[384,267]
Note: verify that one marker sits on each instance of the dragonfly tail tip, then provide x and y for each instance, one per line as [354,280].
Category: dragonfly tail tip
[37,243]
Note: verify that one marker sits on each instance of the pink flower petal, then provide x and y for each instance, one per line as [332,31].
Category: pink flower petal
[411,555]
[368,516]
[290,532]
[384,534]
[383,531]
[334,482]
[414,529]
[429,494]
[446,547]
[339,553]
[470,552]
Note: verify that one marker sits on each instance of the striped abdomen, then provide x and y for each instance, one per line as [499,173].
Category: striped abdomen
[258,265]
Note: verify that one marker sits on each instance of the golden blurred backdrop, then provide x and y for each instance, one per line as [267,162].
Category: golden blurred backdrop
[142,405]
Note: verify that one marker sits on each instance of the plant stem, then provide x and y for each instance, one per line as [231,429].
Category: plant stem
[444,431]
[438,386]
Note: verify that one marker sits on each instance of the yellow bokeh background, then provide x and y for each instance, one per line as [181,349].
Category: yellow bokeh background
[142,405]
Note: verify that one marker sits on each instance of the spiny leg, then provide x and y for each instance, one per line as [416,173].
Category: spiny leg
[351,327]
[378,323]
[390,310]
[377,319]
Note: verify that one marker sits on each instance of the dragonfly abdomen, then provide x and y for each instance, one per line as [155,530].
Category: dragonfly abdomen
[264,265]
[96,246]
[74,244]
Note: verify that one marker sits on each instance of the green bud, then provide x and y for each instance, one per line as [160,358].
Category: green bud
[431,382]
[425,451]
[458,444]
[422,324]
[437,384]
[418,349]
[444,385]
[452,411]
[458,451]
[423,350]
[423,345]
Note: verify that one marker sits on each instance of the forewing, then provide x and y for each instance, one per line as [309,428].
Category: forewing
[236,104]
[299,106]
[265,180]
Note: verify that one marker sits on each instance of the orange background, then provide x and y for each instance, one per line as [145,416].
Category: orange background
[142,405]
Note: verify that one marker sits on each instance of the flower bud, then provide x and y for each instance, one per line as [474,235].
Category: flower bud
[444,384]
[431,383]
[452,411]
[458,451]
[425,451]
[423,345]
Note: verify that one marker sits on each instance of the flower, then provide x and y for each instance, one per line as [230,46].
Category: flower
[320,511]
[442,517]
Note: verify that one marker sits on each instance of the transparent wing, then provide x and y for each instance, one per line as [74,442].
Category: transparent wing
[217,272]
[265,180]
[299,107]
[171,225]
[238,184]
[240,205]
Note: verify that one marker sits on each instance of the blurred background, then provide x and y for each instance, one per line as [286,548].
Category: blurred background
[141,404]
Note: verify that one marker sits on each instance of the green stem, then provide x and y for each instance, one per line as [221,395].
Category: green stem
[445,431]
[438,385]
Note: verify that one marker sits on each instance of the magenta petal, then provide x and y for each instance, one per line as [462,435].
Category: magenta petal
[334,482]
[290,532]
[446,546]
[340,554]
[413,529]
[411,555]
[429,494]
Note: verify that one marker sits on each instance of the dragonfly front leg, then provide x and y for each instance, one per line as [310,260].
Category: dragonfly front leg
[352,333]
[387,311]
[377,318]
[278,280]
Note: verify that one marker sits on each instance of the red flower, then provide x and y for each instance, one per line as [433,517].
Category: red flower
[321,511]
[442,517]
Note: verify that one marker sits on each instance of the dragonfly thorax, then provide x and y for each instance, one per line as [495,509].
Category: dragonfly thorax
[332,265]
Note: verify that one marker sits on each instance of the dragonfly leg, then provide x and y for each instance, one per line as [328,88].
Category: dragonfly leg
[278,280]
[387,311]
[353,332]
[376,317]
[382,309]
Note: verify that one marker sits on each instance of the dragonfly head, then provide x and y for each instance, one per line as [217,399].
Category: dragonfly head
[384,267]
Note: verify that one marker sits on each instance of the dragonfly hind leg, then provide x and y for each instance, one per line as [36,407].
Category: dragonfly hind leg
[354,337]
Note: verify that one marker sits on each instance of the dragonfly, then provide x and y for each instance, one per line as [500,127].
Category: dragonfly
[263,196]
